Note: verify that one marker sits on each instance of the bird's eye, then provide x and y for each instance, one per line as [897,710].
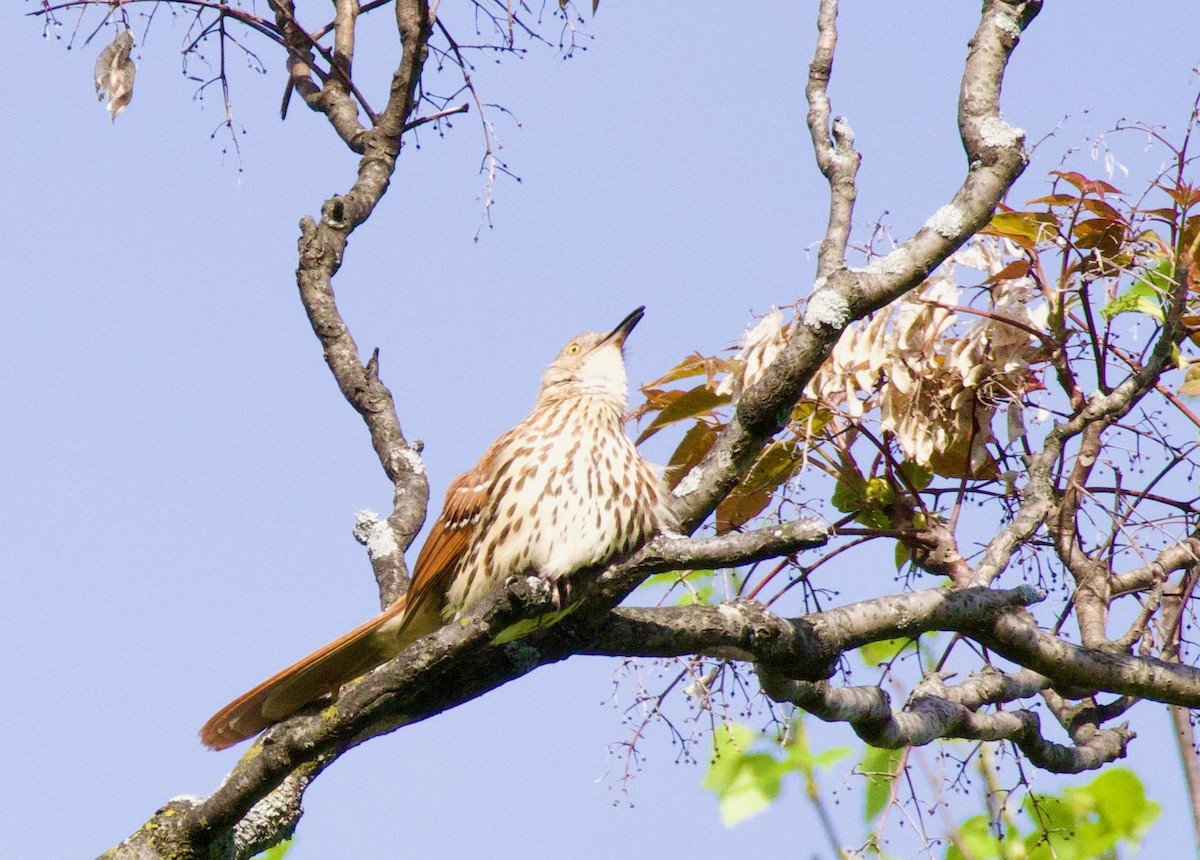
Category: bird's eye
[573,348]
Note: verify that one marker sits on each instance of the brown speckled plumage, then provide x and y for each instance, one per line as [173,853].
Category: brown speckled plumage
[563,490]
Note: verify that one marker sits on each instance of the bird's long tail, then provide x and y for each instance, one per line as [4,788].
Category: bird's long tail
[320,673]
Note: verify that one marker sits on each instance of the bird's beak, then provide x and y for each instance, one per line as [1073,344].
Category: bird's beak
[625,327]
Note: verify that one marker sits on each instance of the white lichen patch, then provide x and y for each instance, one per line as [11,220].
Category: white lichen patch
[947,222]
[689,484]
[996,132]
[896,262]
[1009,25]
[730,611]
[827,307]
[412,459]
[375,534]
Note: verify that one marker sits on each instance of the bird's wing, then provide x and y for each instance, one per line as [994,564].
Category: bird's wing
[378,640]
[465,507]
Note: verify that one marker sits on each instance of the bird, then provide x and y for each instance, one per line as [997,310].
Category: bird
[562,491]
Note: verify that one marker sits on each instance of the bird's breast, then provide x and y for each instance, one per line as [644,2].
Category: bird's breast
[569,491]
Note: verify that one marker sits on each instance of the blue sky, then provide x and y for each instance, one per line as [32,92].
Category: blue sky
[181,474]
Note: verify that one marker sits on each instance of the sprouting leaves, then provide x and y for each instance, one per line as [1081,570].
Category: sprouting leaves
[114,73]
[1145,296]
[880,767]
[276,853]
[1080,824]
[747,782]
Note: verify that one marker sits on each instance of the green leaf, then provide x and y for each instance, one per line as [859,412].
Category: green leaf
[730,742]
[745,783]
[801,757]
[977,837]
[850,492]
[880,493]
[826,759]
[695,586]
[275,853]
[884,651]
[1191,382]
[809,419]
[1119,799]
[1140,298]
[747,500]
[880,768]
[1024,228]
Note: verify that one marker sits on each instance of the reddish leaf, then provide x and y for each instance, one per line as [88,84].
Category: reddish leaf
[1055,200]
[694,365]
[1087,186]
[1185,196]
[1102,209]
[691,449]
[1167,215]
[1191,228]
[1015,269]
[748,499]
[688,404]
[1100,233]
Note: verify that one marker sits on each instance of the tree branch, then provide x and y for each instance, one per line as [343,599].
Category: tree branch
[995,158]
[321,247]
[934,712]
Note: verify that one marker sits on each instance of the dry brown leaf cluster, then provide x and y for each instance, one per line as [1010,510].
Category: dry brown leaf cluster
[936,365]
[115,72]
[937,379]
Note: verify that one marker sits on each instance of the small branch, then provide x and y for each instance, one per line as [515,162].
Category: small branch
[836,156]
[320,248]
[1189,758]
[331,99]
[434,117]
[733,549]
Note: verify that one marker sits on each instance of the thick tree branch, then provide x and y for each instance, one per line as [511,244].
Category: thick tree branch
[985,615]
[935,712]
[809,644]
[995,158]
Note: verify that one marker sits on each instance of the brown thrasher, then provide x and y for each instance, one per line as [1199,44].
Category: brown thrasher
[562,491]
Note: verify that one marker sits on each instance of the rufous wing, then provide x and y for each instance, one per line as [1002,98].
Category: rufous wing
[374,642]
[464,508]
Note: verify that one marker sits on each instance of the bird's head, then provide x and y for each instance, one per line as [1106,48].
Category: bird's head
[591,364]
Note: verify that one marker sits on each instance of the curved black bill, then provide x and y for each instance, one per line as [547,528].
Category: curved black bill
[625,327]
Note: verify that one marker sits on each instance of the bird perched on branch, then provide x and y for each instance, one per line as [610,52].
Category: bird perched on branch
[562,491]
